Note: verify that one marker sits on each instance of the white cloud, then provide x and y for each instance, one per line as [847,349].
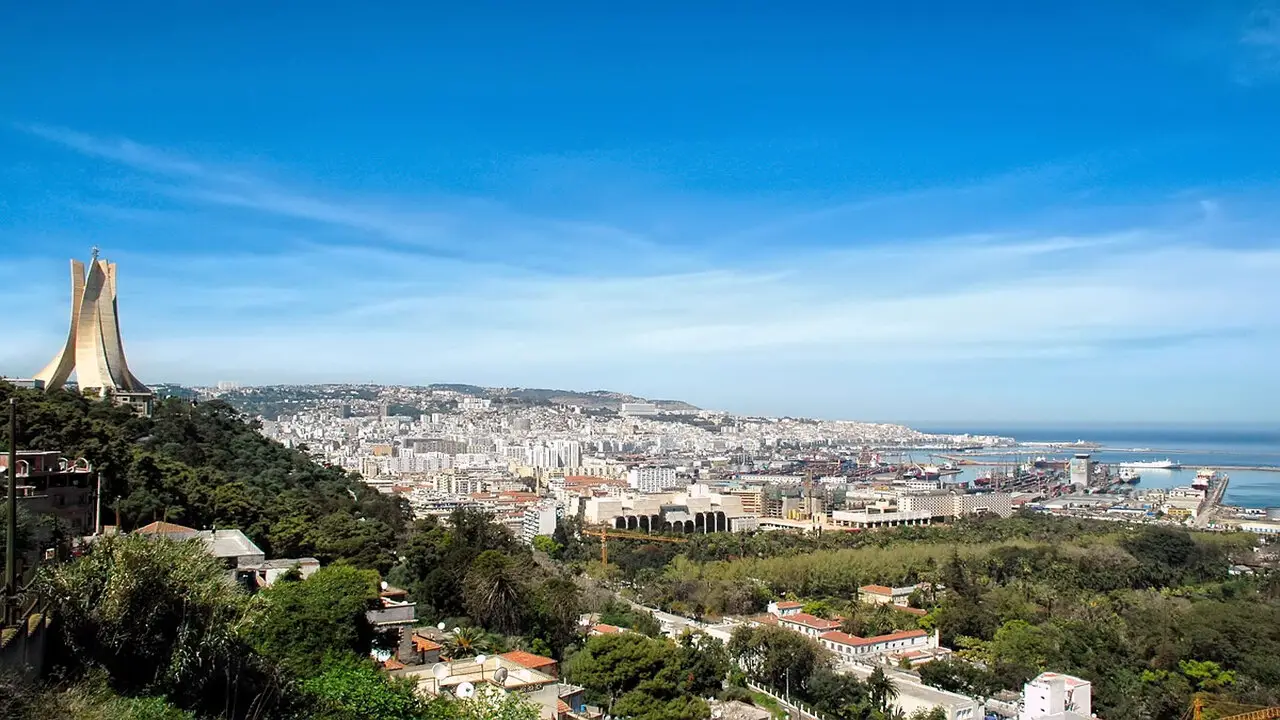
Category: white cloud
[478,293]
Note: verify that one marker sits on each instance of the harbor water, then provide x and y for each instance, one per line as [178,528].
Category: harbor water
[1192,448]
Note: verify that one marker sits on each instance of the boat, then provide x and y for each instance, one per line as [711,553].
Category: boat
[1129,475]
[1165,464]
[1205,478]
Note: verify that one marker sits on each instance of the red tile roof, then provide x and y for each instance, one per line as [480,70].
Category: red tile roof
[528,659]
[164,528]
[900,635]
[421,644]
[765,619]
[843,638]
[392,664]
[788,604]
[847,639]
[603,629]
[808,620]
[876,589]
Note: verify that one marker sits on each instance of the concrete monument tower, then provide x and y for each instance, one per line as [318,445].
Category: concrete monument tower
[94,350]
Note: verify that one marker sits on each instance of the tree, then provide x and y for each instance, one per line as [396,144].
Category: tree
[701,663]
[776,657]
[158,616]
[610,666]
[301,621]
[494,591]
[545,544]
[467,642]
[881,689]
[936,713]
[557,605]
[347,687]
[959,677]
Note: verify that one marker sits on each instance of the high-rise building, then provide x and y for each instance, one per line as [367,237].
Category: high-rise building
[652,479]
[94,350]
[1081,469]
[539,520]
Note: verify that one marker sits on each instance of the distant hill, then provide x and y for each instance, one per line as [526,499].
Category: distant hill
[273,400]
[606,399]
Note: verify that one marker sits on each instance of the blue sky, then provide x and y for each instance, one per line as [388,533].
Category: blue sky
[921,212]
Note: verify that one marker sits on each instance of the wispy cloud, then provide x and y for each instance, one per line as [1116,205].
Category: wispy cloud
[1260,45]
[357,288]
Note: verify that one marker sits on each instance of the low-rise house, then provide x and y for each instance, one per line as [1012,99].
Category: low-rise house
[1054,696]
[428,650]
[394,612]
[271,570]
[555,700]
[533,662]
[246,563]
[884,595]
[845,645]
[784,607]
[807,624]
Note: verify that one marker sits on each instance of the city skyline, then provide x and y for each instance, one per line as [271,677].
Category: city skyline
[868,218]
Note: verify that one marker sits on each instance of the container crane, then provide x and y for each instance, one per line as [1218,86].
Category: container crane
[604,533]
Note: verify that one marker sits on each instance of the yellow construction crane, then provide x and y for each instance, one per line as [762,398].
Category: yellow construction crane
[604,533]
[1197,711]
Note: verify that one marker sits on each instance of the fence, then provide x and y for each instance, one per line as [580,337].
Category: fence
[23,644]
[792,706]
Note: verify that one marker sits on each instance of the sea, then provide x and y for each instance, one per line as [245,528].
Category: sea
[1194,448]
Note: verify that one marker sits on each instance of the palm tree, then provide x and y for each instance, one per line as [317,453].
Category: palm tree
[881,689]
[467,642]
[493,591]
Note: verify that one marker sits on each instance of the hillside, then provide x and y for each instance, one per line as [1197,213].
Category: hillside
[205,465]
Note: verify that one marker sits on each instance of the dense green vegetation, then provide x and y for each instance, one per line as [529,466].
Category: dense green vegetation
[152,628]
[1150,614]
[205,465]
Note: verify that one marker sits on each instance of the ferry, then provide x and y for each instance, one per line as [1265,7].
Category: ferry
[1205,478]
[1165,464]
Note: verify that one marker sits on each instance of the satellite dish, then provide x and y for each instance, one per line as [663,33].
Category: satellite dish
[500,675]
[457,630]
[440,625]
[466,690]
[385,585]
[440,670]
[480,659]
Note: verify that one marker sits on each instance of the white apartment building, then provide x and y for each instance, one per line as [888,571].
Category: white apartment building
[474,404]
[539,520]
[652,479]
[950,505]
[638,409]
[1054,696]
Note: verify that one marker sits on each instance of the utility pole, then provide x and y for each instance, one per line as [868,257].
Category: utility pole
[11,516]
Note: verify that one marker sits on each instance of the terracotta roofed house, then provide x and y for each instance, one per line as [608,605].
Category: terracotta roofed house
[533,662]
[846,645]
[785,607]
[807,624]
